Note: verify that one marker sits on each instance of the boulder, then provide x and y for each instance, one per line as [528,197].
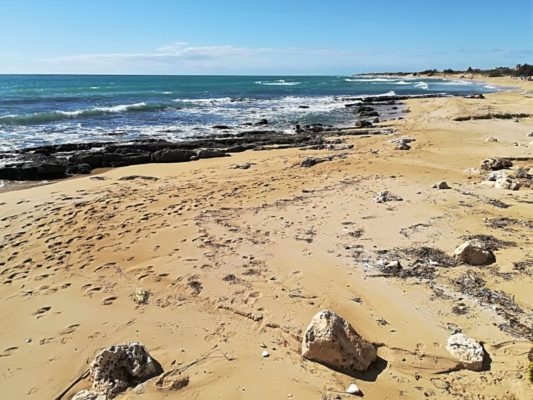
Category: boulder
[495,163]
[331,340]
[467,351]
[171,155]
[117,368]
[474,252]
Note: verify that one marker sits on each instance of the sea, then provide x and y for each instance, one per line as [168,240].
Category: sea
[37,110]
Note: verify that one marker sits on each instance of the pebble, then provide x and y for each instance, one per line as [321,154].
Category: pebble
[353,389]
[265,354]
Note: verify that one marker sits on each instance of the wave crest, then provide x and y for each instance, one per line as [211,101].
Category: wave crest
[52,116]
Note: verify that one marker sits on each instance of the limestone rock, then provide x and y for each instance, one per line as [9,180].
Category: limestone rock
[473,252]
[497,175]
[331,340]
[467,351]
[491,139]
[503,183]
[119,367]
[495,163]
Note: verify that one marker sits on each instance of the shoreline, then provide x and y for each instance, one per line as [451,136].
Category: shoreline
[240,259]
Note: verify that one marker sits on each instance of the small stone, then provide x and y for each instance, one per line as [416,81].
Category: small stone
[265,354]
[353,389]
[491,139]
[441,185]
[28,340]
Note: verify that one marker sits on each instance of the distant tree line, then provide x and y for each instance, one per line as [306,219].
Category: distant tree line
[521,70]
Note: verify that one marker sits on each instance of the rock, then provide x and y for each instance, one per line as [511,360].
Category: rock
[265,354]
[495,163]
[78,169]
[514,185]
[467,351]
[530,134]
[522,173]
[386,196]
[491,139]
[353,389]
[171,155]
[221,127]
[331,340]
[474,252]
[402,143]
[503,183]
[210,153]
[119,367]
[245,165]
[497,175]
[441,185]
[263,121]
[363,123]
[312,161]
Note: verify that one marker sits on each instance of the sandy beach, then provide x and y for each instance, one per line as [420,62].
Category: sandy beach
[236,262]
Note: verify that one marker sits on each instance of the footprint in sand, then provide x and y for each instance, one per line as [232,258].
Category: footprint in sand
[7,352]
[41,311]
[109,300]
[68,330]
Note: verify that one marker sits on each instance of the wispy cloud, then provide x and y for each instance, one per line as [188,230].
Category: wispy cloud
[184,58]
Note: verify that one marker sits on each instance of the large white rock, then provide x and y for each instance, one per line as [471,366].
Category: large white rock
[331,340]
[467,351]
[473,252]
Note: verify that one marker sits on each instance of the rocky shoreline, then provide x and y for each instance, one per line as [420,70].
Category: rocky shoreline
[64,160]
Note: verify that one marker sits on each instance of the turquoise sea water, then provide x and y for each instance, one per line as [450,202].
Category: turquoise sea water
[50,109]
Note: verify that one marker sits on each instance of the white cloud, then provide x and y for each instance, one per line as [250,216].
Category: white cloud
[184,58]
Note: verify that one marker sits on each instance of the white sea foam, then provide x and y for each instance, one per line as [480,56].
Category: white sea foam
[422,85]
[94,87]
[279,82]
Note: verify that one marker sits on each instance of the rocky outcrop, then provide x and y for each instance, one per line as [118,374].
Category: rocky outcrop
[467,351]
[474,252]
[331,340]
[171,155]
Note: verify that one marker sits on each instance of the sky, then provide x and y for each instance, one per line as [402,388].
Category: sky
[261,37]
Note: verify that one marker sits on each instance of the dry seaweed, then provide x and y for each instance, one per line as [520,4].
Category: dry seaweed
[517,322]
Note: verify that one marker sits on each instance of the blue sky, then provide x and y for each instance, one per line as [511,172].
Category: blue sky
[261,37]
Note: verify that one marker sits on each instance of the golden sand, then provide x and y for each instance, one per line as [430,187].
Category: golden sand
[238,261]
